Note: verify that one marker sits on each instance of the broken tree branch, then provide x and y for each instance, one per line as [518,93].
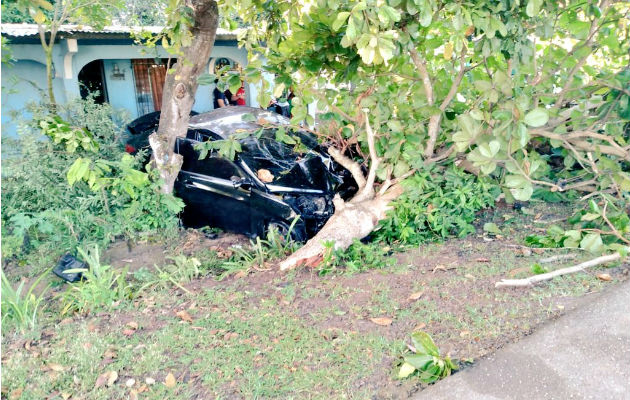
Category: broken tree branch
[367,192]
[350,165]
[527,282]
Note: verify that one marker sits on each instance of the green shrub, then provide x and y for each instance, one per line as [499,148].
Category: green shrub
[78,186]
[356,258]
[436,204]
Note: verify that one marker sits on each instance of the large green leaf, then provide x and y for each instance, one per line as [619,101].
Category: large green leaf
[424,344]
[537,117]
[592,242]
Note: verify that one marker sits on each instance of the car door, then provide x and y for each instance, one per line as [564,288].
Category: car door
[210,193]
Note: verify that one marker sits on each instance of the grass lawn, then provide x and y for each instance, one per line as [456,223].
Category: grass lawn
[266,334]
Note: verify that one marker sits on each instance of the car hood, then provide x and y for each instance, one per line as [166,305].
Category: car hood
[229,120]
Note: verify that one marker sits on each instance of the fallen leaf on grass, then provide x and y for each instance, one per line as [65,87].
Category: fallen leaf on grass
[170,381]
[108,378]
[604,277]
[240,274]
[420,326]
[415,296]
[183,314]
[56,367]
[382,321]
[65,396]
[464,333]
[133,325]
[133,394]
[128,332]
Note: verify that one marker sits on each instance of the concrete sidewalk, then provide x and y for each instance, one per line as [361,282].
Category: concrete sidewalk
[584,354]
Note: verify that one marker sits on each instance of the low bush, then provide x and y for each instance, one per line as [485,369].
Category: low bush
[437,203]
[67,180]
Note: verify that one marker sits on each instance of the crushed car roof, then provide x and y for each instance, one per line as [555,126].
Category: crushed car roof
[229,120]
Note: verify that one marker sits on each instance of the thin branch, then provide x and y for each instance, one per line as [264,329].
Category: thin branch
[612,227]
[591,35]
[458,80]
[368,190]
[443,155]
[424,74]
[527,282]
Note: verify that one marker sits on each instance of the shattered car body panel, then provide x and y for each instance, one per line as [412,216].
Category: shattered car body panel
[268,183]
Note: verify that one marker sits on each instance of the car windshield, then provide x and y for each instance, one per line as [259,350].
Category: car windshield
[265,153]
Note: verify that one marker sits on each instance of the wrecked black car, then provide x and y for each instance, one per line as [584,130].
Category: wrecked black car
[267,185]
[140,129]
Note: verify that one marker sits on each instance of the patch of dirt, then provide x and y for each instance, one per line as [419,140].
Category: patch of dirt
[146,254]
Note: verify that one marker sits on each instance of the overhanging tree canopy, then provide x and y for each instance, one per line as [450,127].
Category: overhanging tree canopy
[533,93]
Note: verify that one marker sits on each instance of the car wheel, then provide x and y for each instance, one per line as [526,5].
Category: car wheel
[297,234]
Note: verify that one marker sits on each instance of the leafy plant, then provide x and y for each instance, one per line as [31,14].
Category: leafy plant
[109,195]
[61,132]
[595,229]
[101,288]
[21,309]
[183,269]
[425,360]
[437,204]
[356,258]
[538,269]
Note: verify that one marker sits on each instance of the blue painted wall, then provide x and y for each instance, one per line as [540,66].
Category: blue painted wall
[16,91]
[22,82]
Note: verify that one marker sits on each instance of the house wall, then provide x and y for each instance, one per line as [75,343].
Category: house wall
[22,81]
[31,67]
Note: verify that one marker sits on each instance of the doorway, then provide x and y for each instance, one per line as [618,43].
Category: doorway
[92,80]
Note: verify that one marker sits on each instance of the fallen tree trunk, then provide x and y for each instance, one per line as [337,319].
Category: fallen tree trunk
[349,222]
[356,218]
[559,272]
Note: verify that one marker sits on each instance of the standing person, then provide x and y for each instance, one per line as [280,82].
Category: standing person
[219,98]
[240,95]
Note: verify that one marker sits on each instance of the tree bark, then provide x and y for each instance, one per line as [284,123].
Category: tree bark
[49,77]
[351,220]
[179,91]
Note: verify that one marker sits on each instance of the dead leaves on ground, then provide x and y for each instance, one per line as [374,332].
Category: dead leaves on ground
[184,316]
[170,380]
[382,321]
[604,277]
[415,296]
[106,379]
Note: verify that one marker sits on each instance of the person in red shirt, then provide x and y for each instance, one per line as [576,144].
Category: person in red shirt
[240,95]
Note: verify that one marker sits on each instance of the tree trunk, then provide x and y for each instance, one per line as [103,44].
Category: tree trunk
[49,76]
[351,220]
[179,91]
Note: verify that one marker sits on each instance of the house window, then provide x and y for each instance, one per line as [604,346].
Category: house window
[149,76]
